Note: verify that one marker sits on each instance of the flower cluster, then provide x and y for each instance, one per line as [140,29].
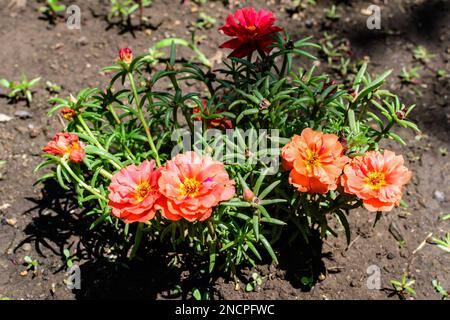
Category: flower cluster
[188,187]
[317,164]
[230,197]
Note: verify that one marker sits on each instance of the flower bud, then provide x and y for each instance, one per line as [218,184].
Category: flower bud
[68,113]
[126,55]
[249,196]
[264,104]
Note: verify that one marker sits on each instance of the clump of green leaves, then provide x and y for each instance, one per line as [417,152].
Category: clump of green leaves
[403,287]
[443,243]
[421,53]
[52,87]
[410,76]
[437,286]
[20,90]
[255,282]
[123,9]
[331,13]
[31,264]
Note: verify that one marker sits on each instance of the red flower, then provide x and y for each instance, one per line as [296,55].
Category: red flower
[126,55]
[65,143]
[251,31]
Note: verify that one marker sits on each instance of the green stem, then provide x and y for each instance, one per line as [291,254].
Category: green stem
[106,174]
[87,131]
[114,114]
[81,182]
[385,130]
[142,119]
[283,67]
[137,239]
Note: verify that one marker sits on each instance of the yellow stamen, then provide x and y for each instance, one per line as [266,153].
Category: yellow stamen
[142,190]
[375,180]
[312,160]
[190,187]
[251,28]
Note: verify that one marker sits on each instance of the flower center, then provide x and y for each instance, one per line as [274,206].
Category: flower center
[312,160]
[251,28]
[375,180]
[190,187]
[142,191]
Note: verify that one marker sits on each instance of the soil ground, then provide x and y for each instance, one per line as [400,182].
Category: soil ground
[40,221]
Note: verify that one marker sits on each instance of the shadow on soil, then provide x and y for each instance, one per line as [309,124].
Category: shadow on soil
[106,273]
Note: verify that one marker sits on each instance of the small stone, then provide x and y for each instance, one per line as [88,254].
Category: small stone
[309,23]
[26,247]
[12,222]
[82,41]
[390,256]
[33,131]
[24,273]
[22,114]
[4,118]
[439,196]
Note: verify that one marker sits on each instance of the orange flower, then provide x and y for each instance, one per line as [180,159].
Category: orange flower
[192,186]
[65,143]
[126,55]
[377,179]
[68,113]
[133,192]
[316,161]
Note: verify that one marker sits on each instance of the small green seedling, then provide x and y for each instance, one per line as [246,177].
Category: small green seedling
[123,9]
[421,53]
[410,76]
[404,286]
[52,87]
[441,73]
[446,217]
[52,9]
[68,258]
[437,286]
[204,21]
[331,13]
[31,264]
[20,90]
[199,296]
[255,282]
[443,243]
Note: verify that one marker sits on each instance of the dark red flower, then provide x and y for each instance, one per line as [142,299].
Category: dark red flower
[250,30]
[219,122]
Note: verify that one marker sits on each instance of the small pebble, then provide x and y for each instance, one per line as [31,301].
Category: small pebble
[26,247]
[22,114]
[439,196]
[11,222]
